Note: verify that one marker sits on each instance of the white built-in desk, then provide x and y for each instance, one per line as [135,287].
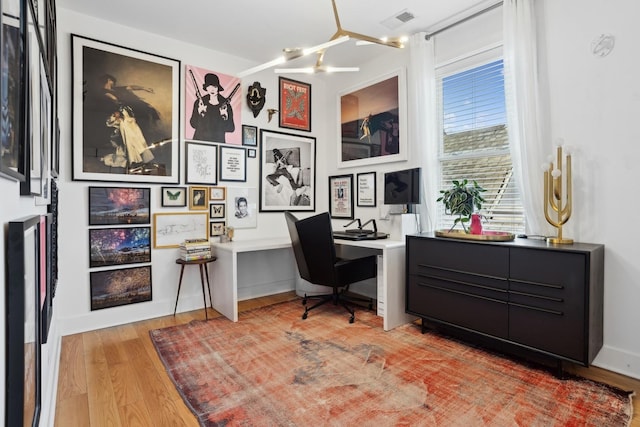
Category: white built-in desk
[390,278]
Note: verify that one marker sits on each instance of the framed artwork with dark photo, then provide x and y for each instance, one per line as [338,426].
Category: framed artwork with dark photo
[295,104]
[120,245]
[119,205]
[287,172]
[112,288]
[366,189]
[198,197]
[341,196]
[217,210]
[201,162]
[126,114]
[174,196]
[249,135]
[217,228]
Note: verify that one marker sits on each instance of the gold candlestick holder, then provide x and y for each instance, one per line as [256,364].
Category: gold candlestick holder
[555,198]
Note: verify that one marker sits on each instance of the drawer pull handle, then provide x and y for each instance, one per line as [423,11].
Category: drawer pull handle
[470,273]
[460,282]
[526,294]
[461,293]
[544,285]
[544,310]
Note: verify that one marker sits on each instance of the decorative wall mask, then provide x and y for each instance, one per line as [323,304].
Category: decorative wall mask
[256,98]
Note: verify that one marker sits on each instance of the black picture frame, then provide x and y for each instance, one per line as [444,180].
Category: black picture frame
[302,161]
[173,197]
[233,164]
[12,59]
[147,88]
[119,205]
[341,196]
[124,286]
[47,277]
[250,135]
[119,246]
[23,358]
[217,210]
[367,194]
[201,162]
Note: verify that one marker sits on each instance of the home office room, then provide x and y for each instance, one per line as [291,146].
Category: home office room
[400,213]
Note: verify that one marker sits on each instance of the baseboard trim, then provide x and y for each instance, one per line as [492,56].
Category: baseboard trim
[620,361]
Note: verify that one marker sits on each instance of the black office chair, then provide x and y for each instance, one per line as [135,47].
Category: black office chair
[312,241]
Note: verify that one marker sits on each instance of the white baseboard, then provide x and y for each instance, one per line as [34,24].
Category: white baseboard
[620,361]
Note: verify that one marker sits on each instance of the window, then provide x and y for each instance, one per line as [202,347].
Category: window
[475,139]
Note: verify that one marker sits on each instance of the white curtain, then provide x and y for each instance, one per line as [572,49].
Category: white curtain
[423,129]
[528,133]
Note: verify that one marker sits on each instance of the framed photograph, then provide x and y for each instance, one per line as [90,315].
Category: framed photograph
[373,122]
[341,196]
[250,135]
[201,161]
[126,114]
[46,134]
[23,367]
[217,228]
[251,153]
[233,164]
[217,210]
[198,197]
[47,277]
[366,189]
[119,205]
[171,229]
[12,130]
[217,193]
[112,288]
[174,196]
[213,106]
[243,202]
[287,172]
[116,246]
[295,104]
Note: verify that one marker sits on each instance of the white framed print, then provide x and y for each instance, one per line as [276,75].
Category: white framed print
[242,205]
[366,189]
[200,163]
[233,164]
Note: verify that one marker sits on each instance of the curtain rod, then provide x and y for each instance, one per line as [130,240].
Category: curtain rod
[465,19]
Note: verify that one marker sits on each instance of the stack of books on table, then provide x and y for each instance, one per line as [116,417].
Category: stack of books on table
[194,249]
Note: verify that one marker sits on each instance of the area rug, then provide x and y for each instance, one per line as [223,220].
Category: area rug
[274,369]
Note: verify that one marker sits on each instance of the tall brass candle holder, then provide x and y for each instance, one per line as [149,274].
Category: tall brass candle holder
[554,197]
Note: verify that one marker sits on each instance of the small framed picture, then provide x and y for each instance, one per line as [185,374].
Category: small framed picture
[250,135]
[198,197]
[295,104]
[366,189]
[217,210]
[341,196]
[217,193]
[201,163]
[174,196]
[216,228]
[233,164]
[251,153]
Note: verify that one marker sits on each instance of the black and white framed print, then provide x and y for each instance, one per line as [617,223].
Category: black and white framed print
[201,163]
[233,164]
[341,196]
[126,110]
[287,172]
[366,189]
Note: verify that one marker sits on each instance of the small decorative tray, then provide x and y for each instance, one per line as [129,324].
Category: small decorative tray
[493,236]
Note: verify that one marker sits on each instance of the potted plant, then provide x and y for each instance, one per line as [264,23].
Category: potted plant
[462,199]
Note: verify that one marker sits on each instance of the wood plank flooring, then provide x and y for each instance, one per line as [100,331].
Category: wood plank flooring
[113,377]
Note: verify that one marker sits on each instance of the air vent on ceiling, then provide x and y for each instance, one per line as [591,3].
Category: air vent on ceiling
[398,19]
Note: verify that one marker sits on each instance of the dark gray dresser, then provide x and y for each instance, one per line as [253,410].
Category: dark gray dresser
[525,294]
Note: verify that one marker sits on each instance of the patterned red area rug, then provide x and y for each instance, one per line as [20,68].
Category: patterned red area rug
[274,369]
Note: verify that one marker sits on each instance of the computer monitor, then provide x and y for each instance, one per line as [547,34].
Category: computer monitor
[402,187]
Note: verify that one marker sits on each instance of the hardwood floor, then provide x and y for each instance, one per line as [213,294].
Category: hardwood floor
[113,377]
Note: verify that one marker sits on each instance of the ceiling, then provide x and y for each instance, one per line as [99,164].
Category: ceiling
[258,30]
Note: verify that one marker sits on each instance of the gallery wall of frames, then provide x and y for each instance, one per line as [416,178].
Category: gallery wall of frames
[29,154]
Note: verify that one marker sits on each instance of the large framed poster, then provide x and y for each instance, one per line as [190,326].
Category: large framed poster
[295,104]
[126,112]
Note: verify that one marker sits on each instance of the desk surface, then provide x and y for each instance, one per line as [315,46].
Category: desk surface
[285,242]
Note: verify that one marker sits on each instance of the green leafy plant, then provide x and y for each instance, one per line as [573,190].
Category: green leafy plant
[461,200]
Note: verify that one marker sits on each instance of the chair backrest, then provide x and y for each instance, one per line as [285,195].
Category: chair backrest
[313,247]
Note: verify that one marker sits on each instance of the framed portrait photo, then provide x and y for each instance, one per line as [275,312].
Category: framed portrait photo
[135,94]
[173,196]
[287,172]
[341,196]
[366,189]
[249,135]
[233,164]
[295,104]
[242,204]
[373,122]
[201,162]
[198,197]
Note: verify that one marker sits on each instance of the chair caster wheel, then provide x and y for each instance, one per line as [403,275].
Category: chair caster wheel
[352,319]
[304,316]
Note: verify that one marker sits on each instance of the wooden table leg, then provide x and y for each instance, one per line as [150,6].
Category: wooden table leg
[179,285]
[206,271]
[204,296]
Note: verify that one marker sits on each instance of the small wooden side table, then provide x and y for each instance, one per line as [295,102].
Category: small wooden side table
[202,263]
